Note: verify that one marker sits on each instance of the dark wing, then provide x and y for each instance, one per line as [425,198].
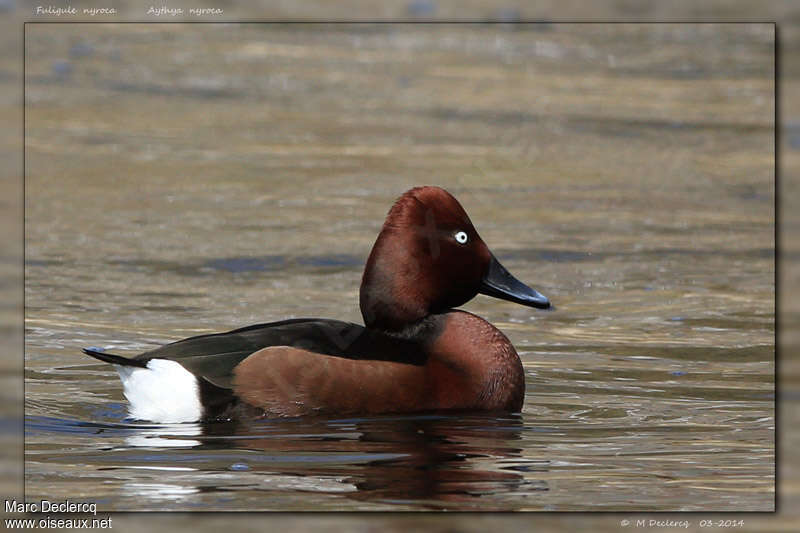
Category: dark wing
[214,356]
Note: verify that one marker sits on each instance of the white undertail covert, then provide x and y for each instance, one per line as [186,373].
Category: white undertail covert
[163,392]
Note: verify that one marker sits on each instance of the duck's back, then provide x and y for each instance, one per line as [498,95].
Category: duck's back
[214,356]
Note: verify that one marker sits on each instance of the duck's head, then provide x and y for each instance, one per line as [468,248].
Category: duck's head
[429,258]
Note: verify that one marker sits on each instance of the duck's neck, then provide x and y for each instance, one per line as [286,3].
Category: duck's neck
[393,292]
[421,331]
[383,310]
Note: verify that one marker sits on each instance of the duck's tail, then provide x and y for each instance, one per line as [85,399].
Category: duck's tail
[159,390]
[114,359]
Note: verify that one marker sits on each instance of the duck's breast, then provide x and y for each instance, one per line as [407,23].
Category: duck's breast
[475,366]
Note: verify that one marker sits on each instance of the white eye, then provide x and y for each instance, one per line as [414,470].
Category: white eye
[461,237]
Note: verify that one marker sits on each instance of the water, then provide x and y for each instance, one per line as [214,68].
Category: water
[190,179]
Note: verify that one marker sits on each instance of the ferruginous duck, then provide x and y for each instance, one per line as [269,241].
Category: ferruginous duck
[415,351]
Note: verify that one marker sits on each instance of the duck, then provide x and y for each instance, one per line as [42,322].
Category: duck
[416,352]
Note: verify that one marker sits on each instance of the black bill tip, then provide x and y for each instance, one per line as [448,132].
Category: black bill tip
[499,283]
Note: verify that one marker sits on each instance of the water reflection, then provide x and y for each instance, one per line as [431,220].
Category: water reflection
[439,461]
[159,491]
[166,437]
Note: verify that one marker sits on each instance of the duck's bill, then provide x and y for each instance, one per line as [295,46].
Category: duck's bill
[499,283]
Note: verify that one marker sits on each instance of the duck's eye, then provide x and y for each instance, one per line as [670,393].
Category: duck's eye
[461,237]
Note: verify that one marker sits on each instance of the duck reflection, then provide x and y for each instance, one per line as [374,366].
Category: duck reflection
[439,460]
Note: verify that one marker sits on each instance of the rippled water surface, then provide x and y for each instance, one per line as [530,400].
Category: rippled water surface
[186,179]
